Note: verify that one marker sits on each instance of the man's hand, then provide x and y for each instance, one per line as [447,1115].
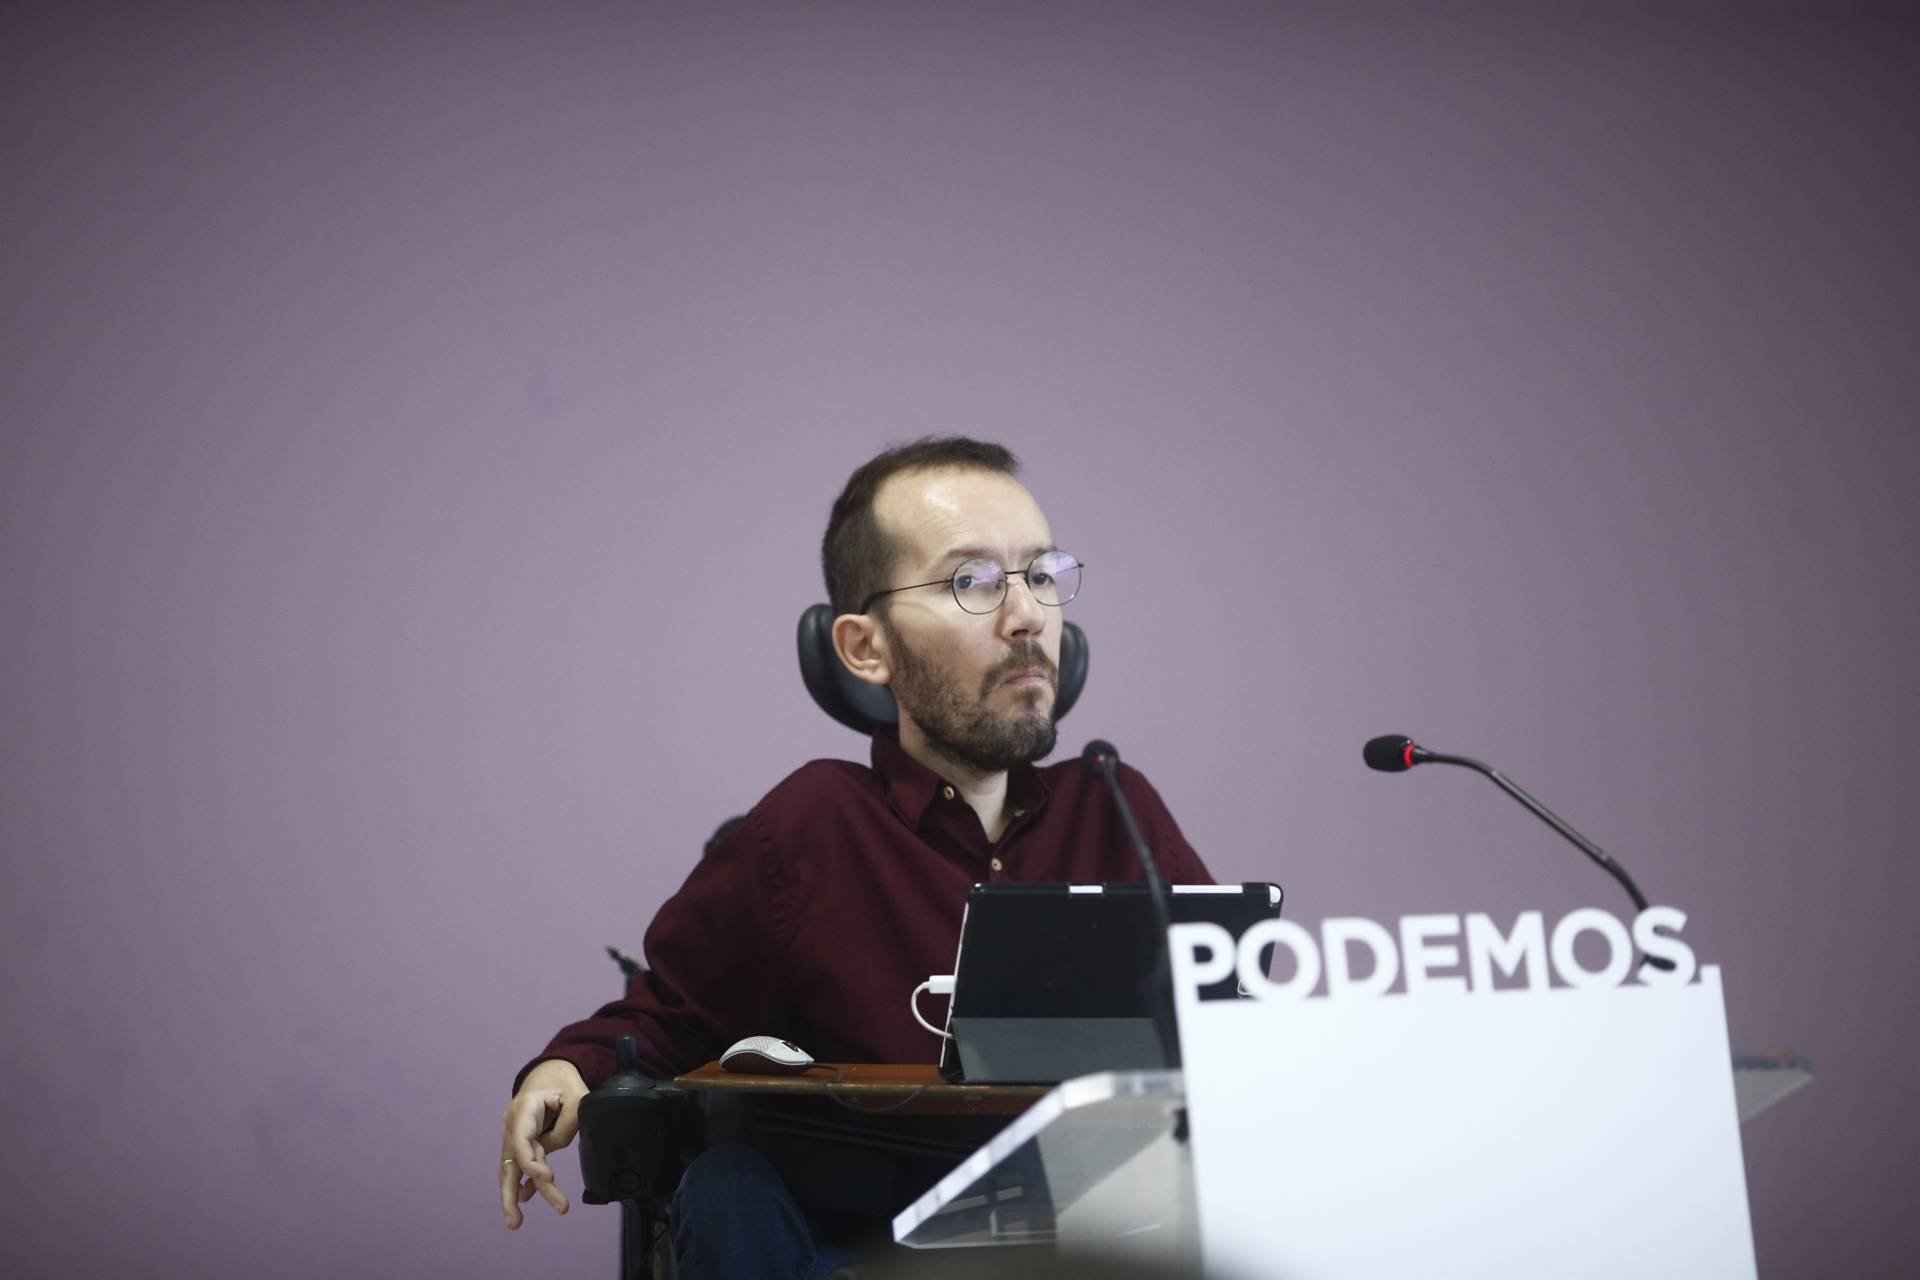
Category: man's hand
[542,1117]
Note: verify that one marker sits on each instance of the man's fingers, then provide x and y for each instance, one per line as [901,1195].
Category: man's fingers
[535,1124]
[531,1158]
[551,1193]
[533,1128]
[509,1193]
[514,1192]
[560,1120]
[523,1142]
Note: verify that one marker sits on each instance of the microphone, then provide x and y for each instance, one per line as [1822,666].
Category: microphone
[1392,753]
[1100,755]
[1101,759]
[1396,753]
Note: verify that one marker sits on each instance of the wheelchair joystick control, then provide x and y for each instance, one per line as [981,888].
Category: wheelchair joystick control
[636,1136]
[626,1064]
[632,1132]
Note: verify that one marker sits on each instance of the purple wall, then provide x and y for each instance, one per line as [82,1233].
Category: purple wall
[418,421]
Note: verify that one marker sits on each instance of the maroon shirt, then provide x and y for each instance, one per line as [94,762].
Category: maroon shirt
[842,891]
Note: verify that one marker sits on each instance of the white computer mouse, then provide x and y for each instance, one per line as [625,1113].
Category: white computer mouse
[766,1056]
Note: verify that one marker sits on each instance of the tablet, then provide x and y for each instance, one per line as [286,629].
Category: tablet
[1051,980]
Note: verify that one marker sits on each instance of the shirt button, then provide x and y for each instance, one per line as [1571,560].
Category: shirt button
[995,864]
[947,792]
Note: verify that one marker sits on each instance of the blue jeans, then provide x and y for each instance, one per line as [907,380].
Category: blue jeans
[735,1219]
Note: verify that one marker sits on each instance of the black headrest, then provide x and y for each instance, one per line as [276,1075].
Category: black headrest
[861,706]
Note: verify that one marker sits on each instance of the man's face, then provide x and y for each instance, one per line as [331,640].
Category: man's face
[979,687]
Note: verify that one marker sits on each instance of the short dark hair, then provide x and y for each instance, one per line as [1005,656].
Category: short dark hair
[856,555]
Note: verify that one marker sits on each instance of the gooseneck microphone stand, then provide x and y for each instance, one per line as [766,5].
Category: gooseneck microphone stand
[1102,760]
[1396,753]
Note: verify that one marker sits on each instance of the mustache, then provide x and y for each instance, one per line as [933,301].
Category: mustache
[1024,654]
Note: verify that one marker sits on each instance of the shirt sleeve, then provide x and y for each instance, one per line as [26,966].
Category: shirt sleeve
[711,976]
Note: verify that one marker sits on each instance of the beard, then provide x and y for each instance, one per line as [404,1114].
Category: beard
[960,723]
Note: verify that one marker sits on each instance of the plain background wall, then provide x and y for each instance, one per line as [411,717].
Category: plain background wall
[419,420]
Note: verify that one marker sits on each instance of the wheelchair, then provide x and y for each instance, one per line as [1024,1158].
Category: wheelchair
[637,1135]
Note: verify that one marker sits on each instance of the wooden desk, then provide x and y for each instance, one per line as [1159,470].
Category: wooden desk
[858,1137]
[879,1088]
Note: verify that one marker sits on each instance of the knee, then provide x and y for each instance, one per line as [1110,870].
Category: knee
[721,1181]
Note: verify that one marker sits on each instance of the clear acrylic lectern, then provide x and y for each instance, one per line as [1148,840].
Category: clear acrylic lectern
[1097,1163]
[1094,1162]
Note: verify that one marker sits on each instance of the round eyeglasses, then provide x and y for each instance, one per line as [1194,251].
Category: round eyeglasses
[980,586]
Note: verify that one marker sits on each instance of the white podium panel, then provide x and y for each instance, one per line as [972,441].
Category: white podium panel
[1523,1133]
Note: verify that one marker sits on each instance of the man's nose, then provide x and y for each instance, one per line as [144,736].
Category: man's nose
[1021,613]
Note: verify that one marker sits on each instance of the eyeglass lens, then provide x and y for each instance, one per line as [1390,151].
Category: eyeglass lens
[980,585]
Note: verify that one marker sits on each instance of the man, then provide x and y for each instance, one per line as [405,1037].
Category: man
[843,889]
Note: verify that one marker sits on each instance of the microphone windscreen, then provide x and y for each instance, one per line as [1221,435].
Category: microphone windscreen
[1388,753]
[1097,753]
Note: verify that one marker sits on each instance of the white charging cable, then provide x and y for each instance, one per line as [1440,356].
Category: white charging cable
[939,985]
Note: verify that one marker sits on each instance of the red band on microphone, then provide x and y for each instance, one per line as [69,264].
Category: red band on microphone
[1406,753]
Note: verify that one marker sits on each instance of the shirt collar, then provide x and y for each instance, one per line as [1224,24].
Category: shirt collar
[912,786]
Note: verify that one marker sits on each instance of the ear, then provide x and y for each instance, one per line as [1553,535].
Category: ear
[862,647]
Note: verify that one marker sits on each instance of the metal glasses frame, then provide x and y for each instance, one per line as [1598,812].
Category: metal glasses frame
[1006,584]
